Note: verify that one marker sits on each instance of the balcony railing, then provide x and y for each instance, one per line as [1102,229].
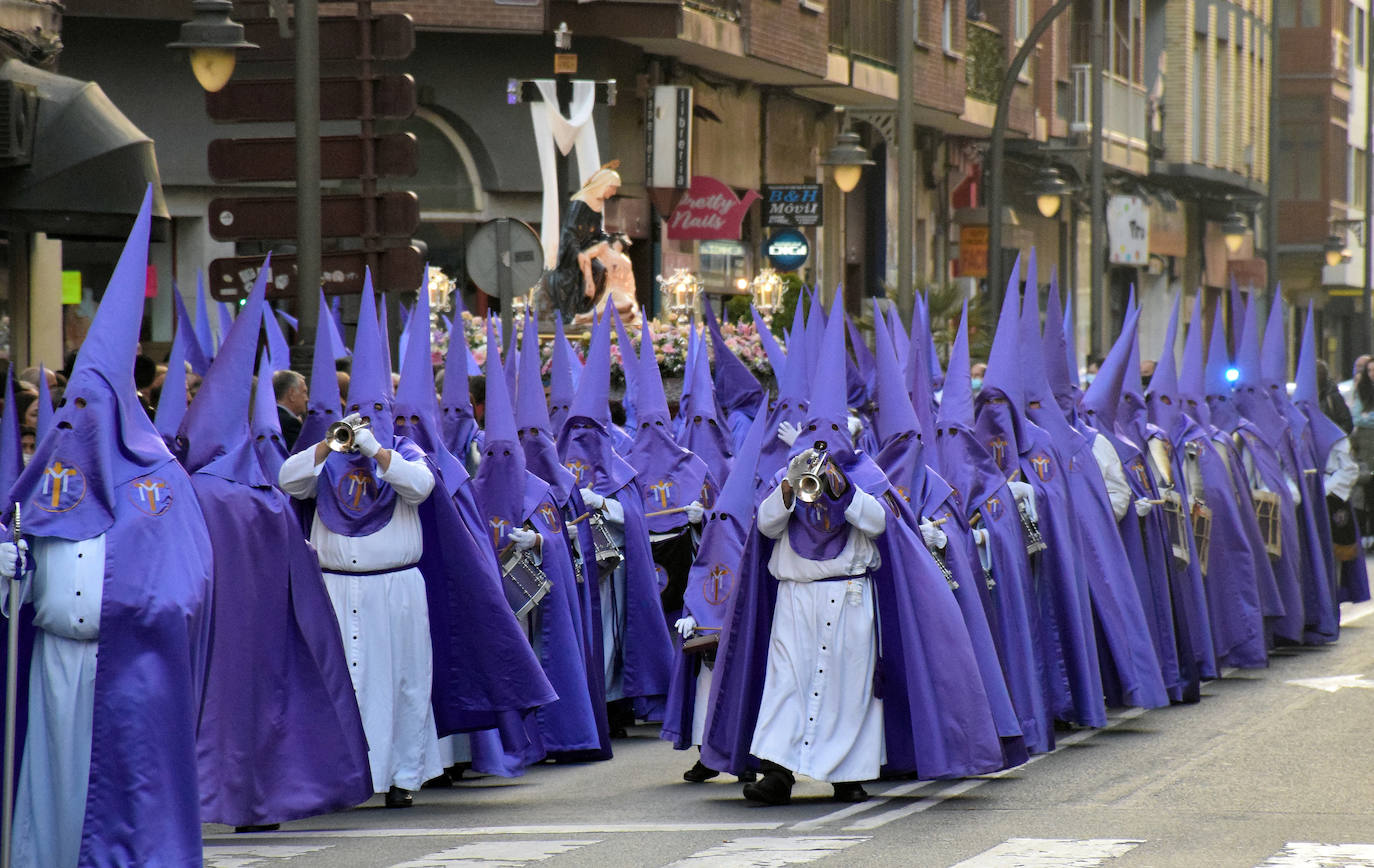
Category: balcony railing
[986,61]
[728,10]
[1124,106]
[863,29]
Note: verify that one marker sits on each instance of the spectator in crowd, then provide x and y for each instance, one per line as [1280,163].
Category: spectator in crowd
[292,399]
[1362,444]
[1329,394]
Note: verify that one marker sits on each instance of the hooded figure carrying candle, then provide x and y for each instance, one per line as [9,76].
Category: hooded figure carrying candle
[121,571]
[844,654]
[431,645]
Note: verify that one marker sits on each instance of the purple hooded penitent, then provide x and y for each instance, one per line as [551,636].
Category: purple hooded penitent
[266,424]
[737,389]
[510,497]
[459,422]
[777,358]
[584,444]
[204,335]
[417,409]
[701,430]
[329,324]
[171,402]
[278,350]
[323,408]
[195,355]
[294,727]
[563,378]
[936,715]
[104,470]
[793,391]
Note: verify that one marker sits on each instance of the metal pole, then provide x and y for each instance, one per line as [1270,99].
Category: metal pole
[1271,201]
[307,26]
[11,697]
[997,148]
[1102,338]
[1366,314]
[906,157]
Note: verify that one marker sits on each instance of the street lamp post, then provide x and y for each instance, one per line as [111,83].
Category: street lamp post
[212,39]
[846,159]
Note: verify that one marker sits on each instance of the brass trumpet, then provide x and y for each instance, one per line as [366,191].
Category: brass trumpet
[341,434]
[811,483]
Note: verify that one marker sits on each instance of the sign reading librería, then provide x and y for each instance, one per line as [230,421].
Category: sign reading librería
[708,211]
[792,205]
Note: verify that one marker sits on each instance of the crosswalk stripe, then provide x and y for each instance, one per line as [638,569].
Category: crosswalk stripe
[245,854]
[1305,855]
[924,804]
[770,852]
[484,831]
[495,854]
[1050,853]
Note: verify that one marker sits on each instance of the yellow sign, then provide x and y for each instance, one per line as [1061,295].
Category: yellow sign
[973,251]
[564,63]
[71,287]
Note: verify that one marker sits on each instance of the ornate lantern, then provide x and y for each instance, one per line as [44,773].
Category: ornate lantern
[767,291]
[679,292]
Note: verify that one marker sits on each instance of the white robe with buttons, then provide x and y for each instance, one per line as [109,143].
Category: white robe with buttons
[384,620]
[818,716]
[50,799]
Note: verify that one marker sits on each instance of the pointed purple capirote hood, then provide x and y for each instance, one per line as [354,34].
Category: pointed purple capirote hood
[369,387]
[384,331]
[11,447]
[204,336]
[1325,433]
[1248,358]
[652,402]
[777,359]
[266,424]
[813,332]
[920,385]
[329,324]
[193,352]
[1274,354]
[500,411]
[1218,362]
[864,360]
[278,350]
[455,405]
[532,420]
[737,388]
[1103,397]
[416,406]
[1191,373]
[629,365]
[171,401]
[699,425]
[1164,400]
[1251,394]
[1003,373]
[895,414]
[1057,354]
[956,401]
[793,385]
[500,481]
[45,407]
[325,402]
[562,378]
[216,433]
[226,321]
[102,437]
[828,411]
[592,400]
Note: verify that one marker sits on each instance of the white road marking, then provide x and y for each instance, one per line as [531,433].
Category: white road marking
[1333,683]
[1050,853]
[246,854]
[1322,856]
[473,831]
[1356,611]
[495,854]
[923,804]
[1303,855]
[770,852]
[850,810]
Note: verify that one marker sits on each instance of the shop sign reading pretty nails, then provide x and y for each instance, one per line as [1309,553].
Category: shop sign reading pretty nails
[709,210]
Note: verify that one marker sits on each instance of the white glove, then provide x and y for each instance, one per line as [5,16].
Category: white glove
[353,419]
[366,442]
[855,426]
[695,512]
[1024,493]
[592,499]
[933,536]
[9,558]
[686,626]
[1143,507]
[524,538]
[980,537]
[787,432]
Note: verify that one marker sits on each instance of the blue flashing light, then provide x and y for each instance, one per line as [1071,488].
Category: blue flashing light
[1232,374]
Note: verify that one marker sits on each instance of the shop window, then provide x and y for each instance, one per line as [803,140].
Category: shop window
[722,263]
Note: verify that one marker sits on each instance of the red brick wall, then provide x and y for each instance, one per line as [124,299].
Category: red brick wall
[459,14]
[784,33]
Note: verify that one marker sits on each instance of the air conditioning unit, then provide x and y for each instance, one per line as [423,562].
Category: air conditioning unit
[18,123]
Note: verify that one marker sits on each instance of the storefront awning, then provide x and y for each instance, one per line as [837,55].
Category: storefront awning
[89,168]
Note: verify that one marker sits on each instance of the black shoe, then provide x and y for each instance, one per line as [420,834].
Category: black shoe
[850,792]
[442,782]
[399,798]
[619,732]
[266,827]
[774,788]
[698,773]
[748,777]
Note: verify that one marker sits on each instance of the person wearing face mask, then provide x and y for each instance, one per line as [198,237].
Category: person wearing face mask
[101,500]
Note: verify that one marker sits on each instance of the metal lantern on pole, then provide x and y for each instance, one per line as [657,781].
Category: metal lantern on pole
[212,39]
[679,292]
[1049,189]
[766,291]
[1233,230]
[846,160]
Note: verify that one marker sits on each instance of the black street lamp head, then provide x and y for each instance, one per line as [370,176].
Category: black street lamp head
[847,159]
[1335,250]
[212,38]
[1233,230]
[1049,188]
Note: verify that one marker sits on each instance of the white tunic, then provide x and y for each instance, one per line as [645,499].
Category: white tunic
[818,716]
[384,620]
[50,801]
[1114,475]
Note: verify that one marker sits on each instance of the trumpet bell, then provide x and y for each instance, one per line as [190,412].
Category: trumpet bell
[340,436]
[809,488]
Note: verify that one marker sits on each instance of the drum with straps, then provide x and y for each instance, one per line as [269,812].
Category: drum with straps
[523,581]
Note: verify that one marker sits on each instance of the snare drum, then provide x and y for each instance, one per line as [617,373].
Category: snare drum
[523,581]
[1267,511]
[607,553]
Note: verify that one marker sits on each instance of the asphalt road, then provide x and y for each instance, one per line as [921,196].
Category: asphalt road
[1263,772]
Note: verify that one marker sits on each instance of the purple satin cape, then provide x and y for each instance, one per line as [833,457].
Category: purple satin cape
[288,742]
